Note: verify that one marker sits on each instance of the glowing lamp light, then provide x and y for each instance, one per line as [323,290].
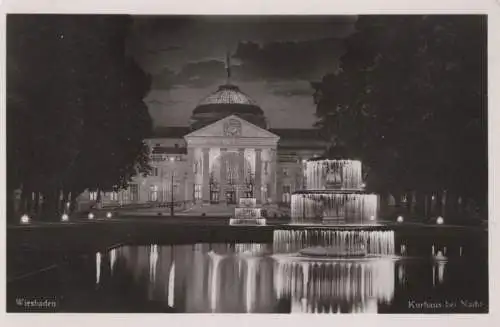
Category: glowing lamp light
[372,217]
[400,219]
[439,220]
[109,215]
[171,158]
[91,215]
[64,217]
[363,185]
[25,219]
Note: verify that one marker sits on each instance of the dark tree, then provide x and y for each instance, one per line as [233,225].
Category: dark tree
[410,101]
[75,113]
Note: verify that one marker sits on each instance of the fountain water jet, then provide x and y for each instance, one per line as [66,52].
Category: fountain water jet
[346,242]
[334,195]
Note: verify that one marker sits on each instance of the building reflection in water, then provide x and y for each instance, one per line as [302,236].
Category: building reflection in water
[438,269]
[112,260]
[236,278]
[97,267]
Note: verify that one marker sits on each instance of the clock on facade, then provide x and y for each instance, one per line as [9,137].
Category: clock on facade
[232,128]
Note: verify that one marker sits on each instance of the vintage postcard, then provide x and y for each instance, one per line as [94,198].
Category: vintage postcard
[259,164]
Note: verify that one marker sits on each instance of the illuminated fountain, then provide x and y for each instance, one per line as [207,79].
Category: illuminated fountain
[334,242]
[334,194]
[247,213]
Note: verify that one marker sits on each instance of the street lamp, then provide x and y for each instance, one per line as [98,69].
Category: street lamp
[172,195]
[25,219]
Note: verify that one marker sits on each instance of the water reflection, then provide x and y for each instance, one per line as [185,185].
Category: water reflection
[236,278]
[438,270]
[98,267]
[112,260]
[335,286]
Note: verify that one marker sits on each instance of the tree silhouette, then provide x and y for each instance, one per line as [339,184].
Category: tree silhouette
[75,113]
[410,101]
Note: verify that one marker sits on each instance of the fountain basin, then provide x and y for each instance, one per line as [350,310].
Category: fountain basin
[247,221]
[247,214]
[333,252]
[333,207]
[334,195]
[372,242]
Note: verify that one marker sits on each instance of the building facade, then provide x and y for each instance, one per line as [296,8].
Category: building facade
[227,152]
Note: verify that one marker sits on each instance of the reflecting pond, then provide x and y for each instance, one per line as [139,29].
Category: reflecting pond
[260,278]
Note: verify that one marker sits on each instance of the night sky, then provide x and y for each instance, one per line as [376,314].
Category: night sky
[273,60]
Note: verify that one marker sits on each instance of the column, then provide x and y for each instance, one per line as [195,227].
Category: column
[305,175]
[206,176]
[273,167]
[241,173]
[223,175]
[190,175]
[280,178]
[258,174]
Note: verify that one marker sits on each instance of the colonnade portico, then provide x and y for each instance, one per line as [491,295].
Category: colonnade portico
[228,166]
[243,175]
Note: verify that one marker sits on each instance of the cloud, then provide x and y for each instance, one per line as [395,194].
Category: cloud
[164,49]
[274,58]
[300,88]
[278,61]
[165,79]
[202,38]
[307,60]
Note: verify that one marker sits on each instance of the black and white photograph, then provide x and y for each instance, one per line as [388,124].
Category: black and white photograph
[247,164]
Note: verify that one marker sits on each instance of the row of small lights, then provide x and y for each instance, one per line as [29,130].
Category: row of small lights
[439,220]
[91,215]
[25,219]
[168,158]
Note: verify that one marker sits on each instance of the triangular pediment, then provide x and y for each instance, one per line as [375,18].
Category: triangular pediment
[232,127]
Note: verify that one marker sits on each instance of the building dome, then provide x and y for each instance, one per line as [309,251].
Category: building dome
[227,94]
[227,100]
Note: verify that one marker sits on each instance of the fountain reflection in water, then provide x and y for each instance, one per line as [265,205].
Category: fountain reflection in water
[373,242]
[335,286]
